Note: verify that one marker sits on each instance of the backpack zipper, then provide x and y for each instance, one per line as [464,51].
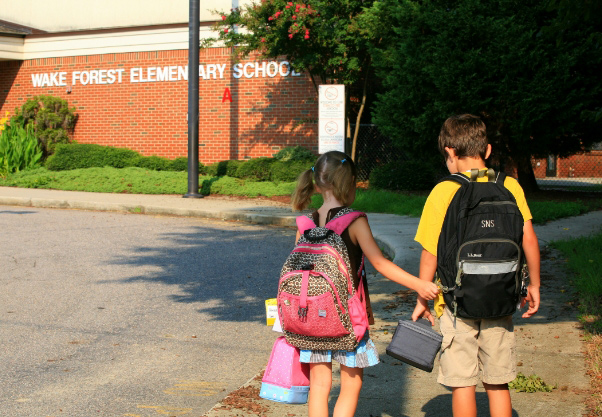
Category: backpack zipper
[317,274]
[328,250]
[460,271]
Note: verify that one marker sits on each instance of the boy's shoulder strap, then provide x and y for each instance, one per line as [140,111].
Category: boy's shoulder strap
[500,178]
[459,178]
[304,223]
[343,219]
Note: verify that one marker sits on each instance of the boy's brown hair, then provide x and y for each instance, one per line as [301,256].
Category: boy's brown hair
[466,134]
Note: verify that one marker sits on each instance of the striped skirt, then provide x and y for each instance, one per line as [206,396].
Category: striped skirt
[364,355]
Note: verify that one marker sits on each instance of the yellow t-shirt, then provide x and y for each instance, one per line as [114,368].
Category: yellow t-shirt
[438,201]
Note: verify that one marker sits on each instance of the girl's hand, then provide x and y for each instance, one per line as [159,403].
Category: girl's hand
[427,290]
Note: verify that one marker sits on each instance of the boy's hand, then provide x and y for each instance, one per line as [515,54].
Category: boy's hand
[427,290]
[533,299]
[422,310]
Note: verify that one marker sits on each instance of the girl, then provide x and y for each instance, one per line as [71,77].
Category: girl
[334,176]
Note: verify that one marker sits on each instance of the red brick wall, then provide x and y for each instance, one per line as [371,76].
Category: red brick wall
[264,116]
[586,165]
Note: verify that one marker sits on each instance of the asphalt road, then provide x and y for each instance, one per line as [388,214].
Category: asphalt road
[106,314]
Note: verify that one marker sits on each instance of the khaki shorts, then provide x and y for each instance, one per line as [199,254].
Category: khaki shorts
[485,345]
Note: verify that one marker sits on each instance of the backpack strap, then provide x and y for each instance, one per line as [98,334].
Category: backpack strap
[340,223]
[500,178]
[459,178]
[304,223]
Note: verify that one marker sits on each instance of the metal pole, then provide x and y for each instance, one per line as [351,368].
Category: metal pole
[193,100]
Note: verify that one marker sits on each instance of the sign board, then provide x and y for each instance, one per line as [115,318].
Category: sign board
[331,113]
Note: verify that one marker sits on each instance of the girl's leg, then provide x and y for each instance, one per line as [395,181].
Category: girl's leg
[500,404]
[351,384]
[464,402]
[320,381]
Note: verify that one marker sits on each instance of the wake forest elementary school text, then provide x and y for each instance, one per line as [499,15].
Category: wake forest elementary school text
[162,74]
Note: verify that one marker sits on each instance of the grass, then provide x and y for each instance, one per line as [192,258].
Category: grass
[139,181]
[544,207]
[381,201]
[531,383]
[584,259]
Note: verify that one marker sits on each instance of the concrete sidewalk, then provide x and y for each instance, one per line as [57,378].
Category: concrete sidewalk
[549,345]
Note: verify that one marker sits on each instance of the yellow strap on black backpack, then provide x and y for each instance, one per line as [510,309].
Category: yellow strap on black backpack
[476,173]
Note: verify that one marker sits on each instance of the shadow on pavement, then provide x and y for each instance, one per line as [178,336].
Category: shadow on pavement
[440,406]
[229,273]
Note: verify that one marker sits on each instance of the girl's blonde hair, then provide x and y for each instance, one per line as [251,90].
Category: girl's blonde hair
[333,171]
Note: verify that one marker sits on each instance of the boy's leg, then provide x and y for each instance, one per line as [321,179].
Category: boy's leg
[351,385]
[320,381]
[459,363]
[464,402]
[498,360]
[500,404]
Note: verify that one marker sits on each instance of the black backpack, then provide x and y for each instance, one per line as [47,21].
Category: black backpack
[479,254]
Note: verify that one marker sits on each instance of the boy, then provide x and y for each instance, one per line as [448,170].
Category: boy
[472,345]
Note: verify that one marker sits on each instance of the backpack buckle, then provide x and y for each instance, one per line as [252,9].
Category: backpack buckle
[302,312]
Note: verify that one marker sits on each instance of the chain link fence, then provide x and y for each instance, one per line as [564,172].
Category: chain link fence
[580,172]
[372,149]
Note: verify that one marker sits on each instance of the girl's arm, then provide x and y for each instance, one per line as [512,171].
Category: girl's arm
[360,233]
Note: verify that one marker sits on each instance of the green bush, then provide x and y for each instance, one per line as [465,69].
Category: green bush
[235,186]
[181,164]
[258,169]
[19,149]
[219,169]
[51,117]
[87,155]
[295,153]
[288,171]
[403,176]
[153,162]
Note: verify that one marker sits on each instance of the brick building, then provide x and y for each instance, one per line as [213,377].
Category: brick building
[129,85]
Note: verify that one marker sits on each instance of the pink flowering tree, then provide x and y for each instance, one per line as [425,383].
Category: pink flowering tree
[321,38]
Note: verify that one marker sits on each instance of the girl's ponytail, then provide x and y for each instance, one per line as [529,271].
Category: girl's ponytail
[304,190]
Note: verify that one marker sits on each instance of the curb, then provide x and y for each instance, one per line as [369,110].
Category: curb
[255,218]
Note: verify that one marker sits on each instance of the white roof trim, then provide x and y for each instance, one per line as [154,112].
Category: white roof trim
[16,48]
[11,48]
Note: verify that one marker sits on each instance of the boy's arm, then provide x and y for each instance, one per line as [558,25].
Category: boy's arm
[428,267]
[531,249]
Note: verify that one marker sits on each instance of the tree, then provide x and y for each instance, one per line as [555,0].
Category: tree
[321,38]
[537,93]
[51,117]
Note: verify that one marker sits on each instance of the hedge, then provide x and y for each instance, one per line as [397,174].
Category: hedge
[87,155]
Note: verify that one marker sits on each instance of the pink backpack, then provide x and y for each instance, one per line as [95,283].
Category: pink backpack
[285,379]
[319,308]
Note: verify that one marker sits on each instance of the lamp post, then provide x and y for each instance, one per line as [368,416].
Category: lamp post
[193,100]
